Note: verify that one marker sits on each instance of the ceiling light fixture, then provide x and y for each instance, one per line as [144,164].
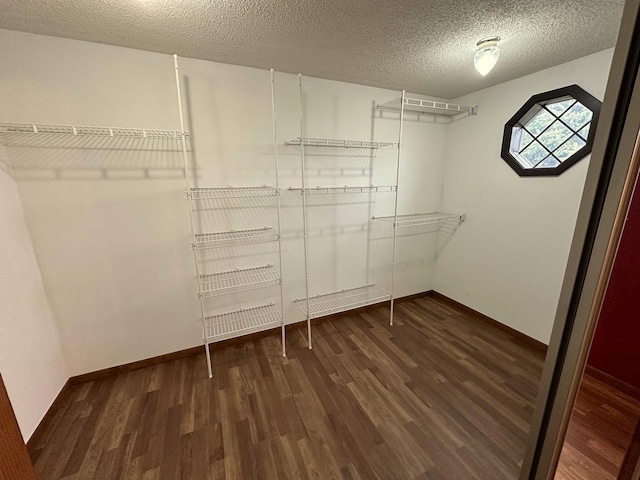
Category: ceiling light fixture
[487,55]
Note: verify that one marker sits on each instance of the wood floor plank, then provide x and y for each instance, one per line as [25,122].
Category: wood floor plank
[295,463]
[599,432]
[439,395]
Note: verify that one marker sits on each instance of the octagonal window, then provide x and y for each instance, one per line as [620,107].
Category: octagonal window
[551,132]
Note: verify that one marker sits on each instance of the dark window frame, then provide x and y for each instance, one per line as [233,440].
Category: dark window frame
[523,115]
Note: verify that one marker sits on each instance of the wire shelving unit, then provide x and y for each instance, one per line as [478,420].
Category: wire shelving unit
[328,142]
[239,280]
[444,225]
[243,321]
[212,286]
[402,105]
[345,190]
[418,105]
[222,193]
[41,150]
[348,299]
[420,219]
[16,129]
[329,197]
[235,237]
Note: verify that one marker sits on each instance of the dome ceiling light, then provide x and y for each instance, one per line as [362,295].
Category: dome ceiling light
[487,55]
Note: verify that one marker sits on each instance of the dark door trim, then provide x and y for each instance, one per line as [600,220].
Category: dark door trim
[15,463]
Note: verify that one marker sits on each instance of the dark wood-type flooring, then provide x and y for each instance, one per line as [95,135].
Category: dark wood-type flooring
[599,432]
[440,395]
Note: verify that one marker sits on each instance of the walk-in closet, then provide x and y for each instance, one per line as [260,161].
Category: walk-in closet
[271,241]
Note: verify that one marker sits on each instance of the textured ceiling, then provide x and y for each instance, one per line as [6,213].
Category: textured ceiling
[423,46]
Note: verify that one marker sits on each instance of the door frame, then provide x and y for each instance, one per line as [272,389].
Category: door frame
[606,196]
[15,463]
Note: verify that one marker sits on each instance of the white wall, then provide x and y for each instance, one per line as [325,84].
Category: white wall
[508,259]
[110,228]
[31,358]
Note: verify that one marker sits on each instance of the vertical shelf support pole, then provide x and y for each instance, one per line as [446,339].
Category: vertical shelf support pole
[275,155]
[185,157]
[395,214]
[372,156]
[304,214]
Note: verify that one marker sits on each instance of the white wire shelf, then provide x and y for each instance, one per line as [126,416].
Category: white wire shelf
[346,190]
[239,280]
[426,106]
[232,192]
[334,302]
[328,142]
[235,237]
[242,322]
[77,130]
[418,219]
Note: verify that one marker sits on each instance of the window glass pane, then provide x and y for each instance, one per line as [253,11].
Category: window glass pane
[520,139]
[555,135]
[541,121]
[574,144]
[549,162]
[577,116]
[558,108]
[533,154]
[584,132]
